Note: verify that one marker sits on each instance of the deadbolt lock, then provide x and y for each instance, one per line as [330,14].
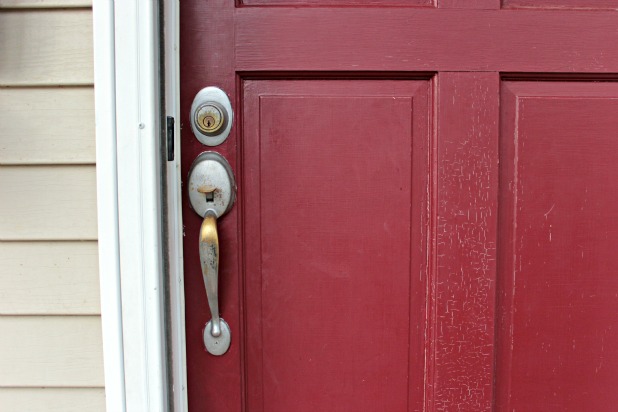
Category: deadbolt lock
[211,116]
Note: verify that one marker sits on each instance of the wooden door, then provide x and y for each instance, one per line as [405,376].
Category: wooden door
[426,214]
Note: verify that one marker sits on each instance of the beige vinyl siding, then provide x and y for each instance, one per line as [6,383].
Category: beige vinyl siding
[39,127]
[22,4]
[46,47]
[50,351]
[50,345]
[52,400]
[48,203]
[62,280]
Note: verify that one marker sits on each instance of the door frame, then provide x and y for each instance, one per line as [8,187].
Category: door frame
[139,214]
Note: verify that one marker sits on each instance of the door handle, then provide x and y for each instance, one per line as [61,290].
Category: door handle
[212,192]
[209,259]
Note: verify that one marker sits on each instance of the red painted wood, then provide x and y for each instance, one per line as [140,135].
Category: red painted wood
[469,4]
[322,3]
[417,39]
[335,271]
[557,341]
[562,4]
[214,383]
[395,170]
[466,200]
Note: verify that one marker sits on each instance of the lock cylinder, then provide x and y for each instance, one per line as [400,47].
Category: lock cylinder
[210,118]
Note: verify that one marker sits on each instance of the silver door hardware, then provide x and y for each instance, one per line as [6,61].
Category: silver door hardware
[211,116]
[212,192]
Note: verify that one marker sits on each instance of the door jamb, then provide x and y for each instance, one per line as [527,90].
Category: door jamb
[130,206]
[176,300]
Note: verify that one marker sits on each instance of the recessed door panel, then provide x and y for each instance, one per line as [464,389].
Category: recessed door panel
[558,341]
[335,268]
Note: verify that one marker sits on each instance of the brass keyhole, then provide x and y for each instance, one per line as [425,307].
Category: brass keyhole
[210,118]
[210,121]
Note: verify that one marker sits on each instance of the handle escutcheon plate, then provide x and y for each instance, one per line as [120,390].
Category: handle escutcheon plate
[217,345]
[212,191]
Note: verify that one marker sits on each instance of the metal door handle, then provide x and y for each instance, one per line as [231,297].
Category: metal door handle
[212,192]
[209,258]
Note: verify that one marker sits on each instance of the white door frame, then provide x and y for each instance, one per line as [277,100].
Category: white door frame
[130,207]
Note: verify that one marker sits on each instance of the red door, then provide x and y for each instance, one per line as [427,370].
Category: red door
[426,215]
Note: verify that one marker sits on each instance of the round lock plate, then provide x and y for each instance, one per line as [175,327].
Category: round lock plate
[217,345]
[211,116]
[211,184]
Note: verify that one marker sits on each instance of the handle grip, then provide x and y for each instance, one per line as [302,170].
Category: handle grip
[209,258]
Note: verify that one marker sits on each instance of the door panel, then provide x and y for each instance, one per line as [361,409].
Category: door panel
[335,175]
[400,171]
[558,343]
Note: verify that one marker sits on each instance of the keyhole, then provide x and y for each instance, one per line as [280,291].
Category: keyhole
[209,122]
[210,197]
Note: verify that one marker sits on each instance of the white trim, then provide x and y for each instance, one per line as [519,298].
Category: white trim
[107,204]
[139,198]
[174,210]
[126,43]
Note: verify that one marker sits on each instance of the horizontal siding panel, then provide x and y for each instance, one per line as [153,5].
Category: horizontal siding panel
[18,4]
[49,278]
[58,351]
[48,202]
[52,399]
[50,47]
[47,125]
